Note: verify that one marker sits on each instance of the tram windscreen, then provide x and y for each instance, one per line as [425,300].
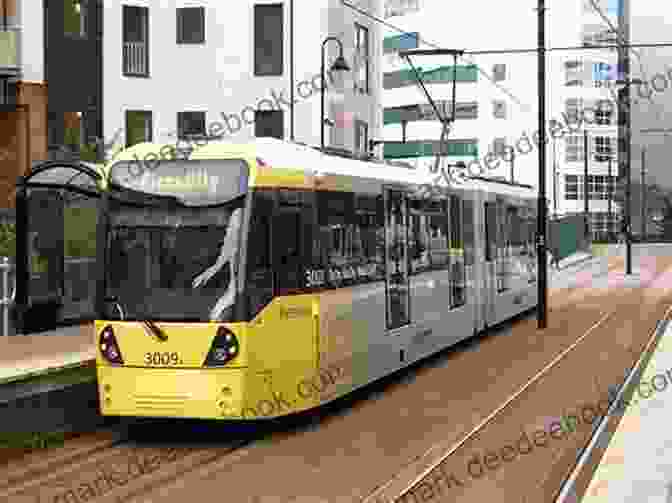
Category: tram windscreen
[171,262]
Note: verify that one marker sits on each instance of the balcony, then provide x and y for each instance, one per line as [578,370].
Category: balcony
[426,148]
[136,59]
[441,75]
[8,52]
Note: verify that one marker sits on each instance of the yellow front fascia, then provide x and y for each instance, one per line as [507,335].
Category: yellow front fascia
[190,341]
[212,393]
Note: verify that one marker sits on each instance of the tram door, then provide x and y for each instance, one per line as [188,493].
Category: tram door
[396,246]
[491,235]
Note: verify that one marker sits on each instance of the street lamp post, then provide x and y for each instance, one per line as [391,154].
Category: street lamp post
[340,65]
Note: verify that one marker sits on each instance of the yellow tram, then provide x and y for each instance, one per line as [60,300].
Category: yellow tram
[256,280]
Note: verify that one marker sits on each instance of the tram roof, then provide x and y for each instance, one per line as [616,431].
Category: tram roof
[283,158]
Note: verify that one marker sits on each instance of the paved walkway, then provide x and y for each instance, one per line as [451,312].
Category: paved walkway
[637,465]
[27,356]
[24,356]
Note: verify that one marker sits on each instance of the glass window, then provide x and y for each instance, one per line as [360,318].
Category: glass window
[499,72]
[348,245]
[361,137]
[269,123]
[428,237]
[268,39]
[362,44]
[457,271]
[499,109]
[469,232]
[190,25]
[190,124]
[604,148]
[135,30]
[138,127]
[604,113]
[571,187]
[259,278]
[574,148]
[75,18]
[573,73]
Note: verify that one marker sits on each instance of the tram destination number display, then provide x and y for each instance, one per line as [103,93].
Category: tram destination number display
[335,275]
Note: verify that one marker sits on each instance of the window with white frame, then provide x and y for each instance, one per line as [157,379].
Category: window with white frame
[400,7]
[603,148]
[190,25]
[605,113]
[499,147]
[573,107]
[571,187]
[499,72]
[574,148]
[595,35]
[362,44]
[499,109]
[574,73]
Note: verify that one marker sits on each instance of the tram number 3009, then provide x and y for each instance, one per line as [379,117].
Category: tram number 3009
[162,358]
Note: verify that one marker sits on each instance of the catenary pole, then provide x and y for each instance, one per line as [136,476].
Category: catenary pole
[541,200]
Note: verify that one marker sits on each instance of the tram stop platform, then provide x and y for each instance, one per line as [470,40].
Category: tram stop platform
[29,356]
[633,461]
[24,357]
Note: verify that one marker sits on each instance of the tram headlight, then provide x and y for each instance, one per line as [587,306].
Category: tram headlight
[109,347]
[224,348]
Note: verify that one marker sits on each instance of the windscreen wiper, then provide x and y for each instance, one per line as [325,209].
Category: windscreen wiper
[155,330]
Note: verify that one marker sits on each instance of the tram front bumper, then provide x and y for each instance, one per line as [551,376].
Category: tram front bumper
[208,393]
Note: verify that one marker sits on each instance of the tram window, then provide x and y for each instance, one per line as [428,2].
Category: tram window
[259,277]
[348,244]
[490,229]
[503,248]
[469,232]
[457,271]
[287,252]
[428,237]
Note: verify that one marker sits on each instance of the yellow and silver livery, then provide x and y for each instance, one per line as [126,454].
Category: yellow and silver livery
[256,280]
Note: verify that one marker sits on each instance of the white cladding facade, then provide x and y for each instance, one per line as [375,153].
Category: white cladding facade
[495,99]
[580,81]
[217,76]
[516,95]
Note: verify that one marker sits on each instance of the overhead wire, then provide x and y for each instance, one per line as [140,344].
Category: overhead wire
[525,107]
[623,42]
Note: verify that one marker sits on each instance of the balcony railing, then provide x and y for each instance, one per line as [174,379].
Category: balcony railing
[8,49]
[136,61]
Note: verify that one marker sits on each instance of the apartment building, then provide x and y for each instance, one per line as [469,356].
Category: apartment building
[50,82]
[585,92]
[486,119]
[179,69]
[496,96]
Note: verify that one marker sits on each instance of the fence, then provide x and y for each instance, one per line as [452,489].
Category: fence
[567,235]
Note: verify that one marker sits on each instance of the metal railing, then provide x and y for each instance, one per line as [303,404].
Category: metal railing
[78,293]
[8,299]
[135,58]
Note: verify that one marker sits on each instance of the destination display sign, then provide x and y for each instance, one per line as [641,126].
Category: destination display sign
[194,182]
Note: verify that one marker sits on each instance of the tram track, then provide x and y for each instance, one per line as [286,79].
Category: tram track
[137,469]
[64,469]
[606,317]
